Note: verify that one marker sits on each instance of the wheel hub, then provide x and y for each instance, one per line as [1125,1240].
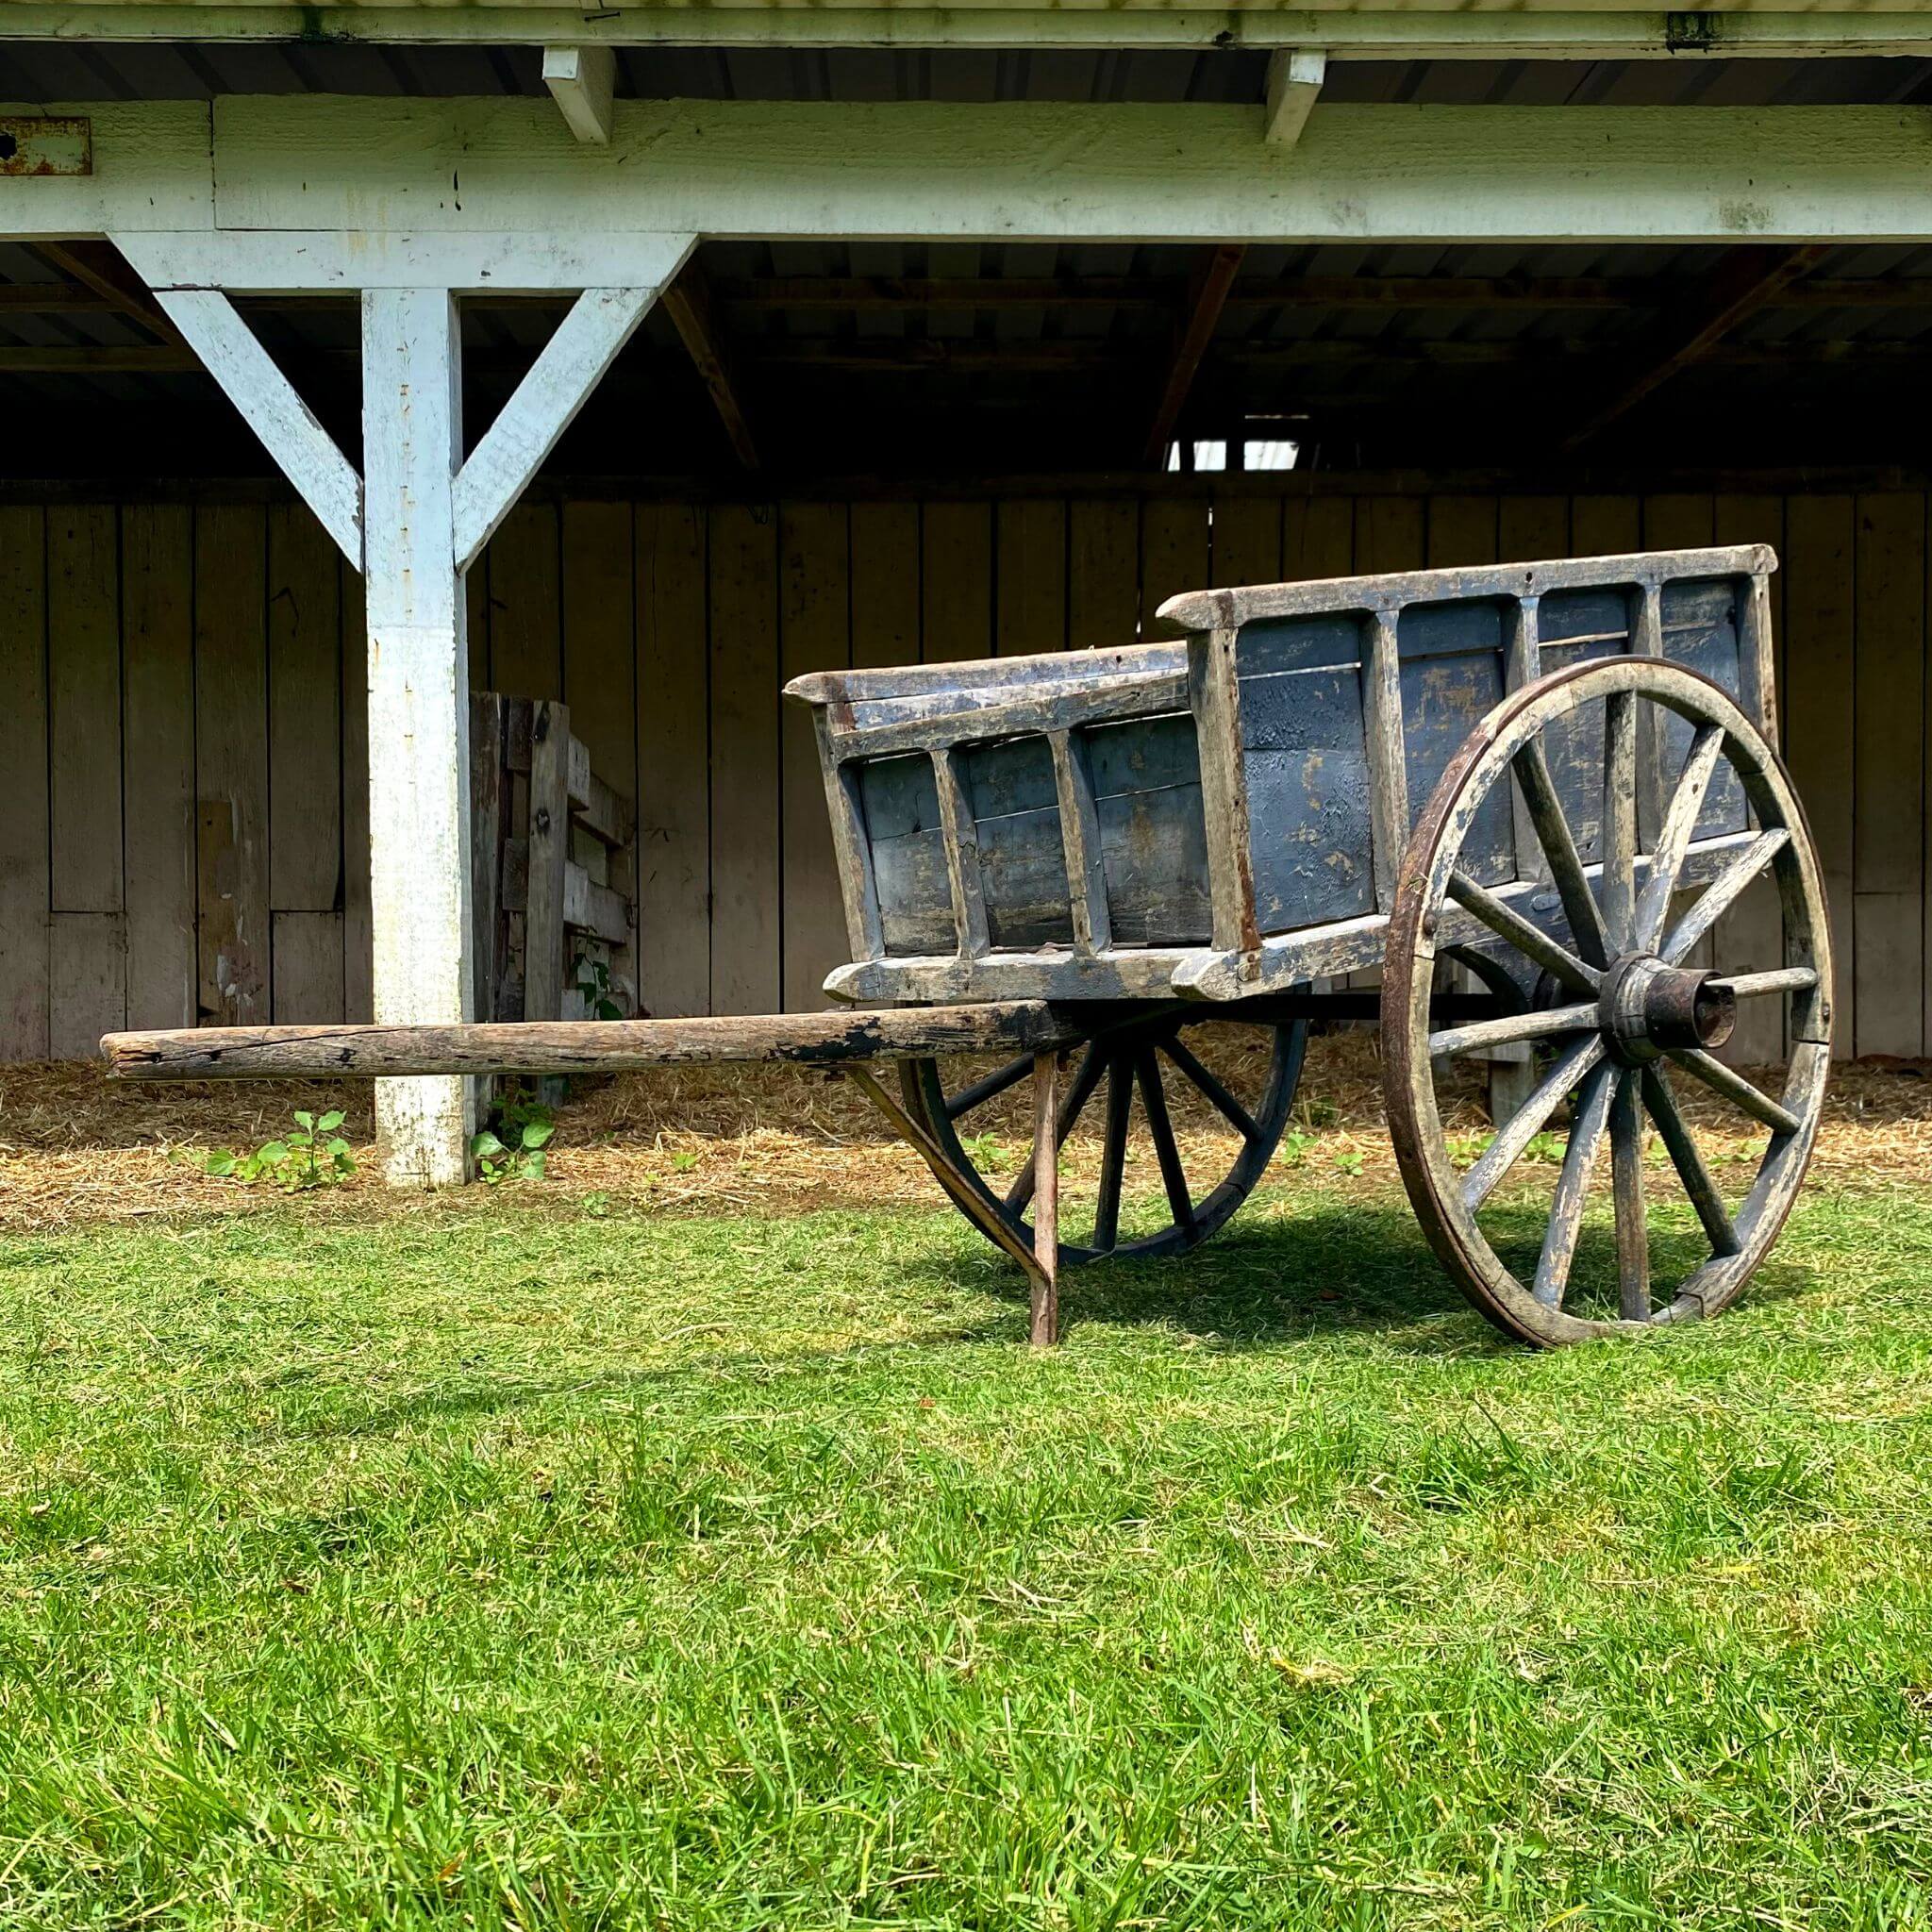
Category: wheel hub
[1649,1007]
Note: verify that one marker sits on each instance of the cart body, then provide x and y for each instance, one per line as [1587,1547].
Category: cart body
[1226,814]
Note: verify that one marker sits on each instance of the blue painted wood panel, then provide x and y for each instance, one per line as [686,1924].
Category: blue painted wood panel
[1307,771]
[1022,870]
[1153,833]
[900,801]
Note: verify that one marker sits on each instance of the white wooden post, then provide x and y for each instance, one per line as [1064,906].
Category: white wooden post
[419,712]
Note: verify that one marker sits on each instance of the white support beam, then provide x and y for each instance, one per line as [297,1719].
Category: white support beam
[582,80]
[303,450]
[1295,80]
[1527,32]
[419,714]
[348,261]
[558,385]
[1019,171]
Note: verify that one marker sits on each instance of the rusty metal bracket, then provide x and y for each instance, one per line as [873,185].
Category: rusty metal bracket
[45,144]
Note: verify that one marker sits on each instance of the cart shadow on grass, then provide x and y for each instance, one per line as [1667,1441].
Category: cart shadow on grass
[1344,1268]
[1335,1272]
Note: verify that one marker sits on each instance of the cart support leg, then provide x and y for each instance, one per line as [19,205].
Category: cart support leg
[971,1202]
[1045,1273]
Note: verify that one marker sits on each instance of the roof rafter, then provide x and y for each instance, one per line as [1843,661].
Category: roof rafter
[687,302]
[1208,297]
[1747,280]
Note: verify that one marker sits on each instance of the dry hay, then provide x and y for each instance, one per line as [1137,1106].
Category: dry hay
[75,1146]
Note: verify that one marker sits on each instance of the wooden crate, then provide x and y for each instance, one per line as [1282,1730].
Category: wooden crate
[554,939]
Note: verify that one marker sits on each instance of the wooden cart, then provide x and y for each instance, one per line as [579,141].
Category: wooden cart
[1548,781]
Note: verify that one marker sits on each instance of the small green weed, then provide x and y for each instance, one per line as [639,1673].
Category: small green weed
[1348,1160]
[591,978]
[1295,1147]
[520,1160]
[986,1152]
[312,1155]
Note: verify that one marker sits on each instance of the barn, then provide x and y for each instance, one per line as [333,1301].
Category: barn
[354,358]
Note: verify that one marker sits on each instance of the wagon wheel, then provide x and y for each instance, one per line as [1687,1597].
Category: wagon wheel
[1630,1027]
[1246,1073]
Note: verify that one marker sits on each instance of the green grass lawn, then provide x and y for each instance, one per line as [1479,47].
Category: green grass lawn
[491,1565]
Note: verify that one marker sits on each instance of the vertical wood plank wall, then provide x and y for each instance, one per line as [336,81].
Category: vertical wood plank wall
[184,726]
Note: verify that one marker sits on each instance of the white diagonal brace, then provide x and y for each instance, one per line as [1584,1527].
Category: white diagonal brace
[557,387]
[581,80]
[303,450]
[1294,79]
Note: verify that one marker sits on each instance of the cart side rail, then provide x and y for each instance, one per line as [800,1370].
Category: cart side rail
[1229,608]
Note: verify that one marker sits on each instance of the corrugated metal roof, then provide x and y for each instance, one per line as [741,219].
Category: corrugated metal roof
[56,70]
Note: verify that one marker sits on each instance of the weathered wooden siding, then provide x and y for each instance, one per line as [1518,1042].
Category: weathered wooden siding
[185,734]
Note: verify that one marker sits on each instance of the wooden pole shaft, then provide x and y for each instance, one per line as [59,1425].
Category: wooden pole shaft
[588,1047]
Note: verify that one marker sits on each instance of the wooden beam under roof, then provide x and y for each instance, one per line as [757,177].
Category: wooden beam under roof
[98,267]
[687,302]
[1747,280]
[52,298]
[1207,298]
[971,356]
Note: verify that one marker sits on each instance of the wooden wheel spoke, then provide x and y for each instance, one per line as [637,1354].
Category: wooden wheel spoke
[1680,821]
[1481,1034]
[984,1090]
[1736,1089]
[1532,770]
[1619,820]
[1224,1102]
[1529,1120]
[1751,986]
[1173,1175]
[1072,1102]
[1717,897]
[1530,940]
[1114,1158]
[1698,1186]
[1573,1186]
[1626,1183]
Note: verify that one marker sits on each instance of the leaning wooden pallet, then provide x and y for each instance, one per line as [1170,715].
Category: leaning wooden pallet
[1556,778]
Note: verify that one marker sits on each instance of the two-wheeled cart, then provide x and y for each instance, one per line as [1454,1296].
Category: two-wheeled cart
[1546,782]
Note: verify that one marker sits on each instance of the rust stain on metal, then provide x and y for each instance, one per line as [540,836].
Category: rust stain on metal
[45,144]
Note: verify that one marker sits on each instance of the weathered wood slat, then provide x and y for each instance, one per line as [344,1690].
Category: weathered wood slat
[1031,576]
[231,761]
[589,908]
[593,804]
[306,971]
[600,687]
[746,907]
[305,831]
[84,708]
[87,956]
[955,582]
[548,863]
[674,762]
[23,830]
[526,604]
[1888,776]
[814,634]
[157,761]
[269,1053]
